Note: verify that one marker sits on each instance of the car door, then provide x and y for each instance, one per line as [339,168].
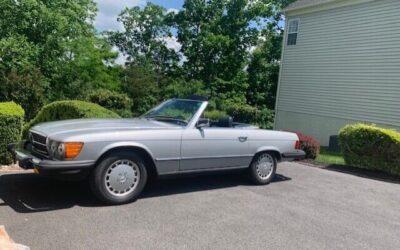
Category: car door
[211,148]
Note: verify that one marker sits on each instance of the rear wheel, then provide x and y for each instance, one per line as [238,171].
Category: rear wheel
[119,178]
[262,169]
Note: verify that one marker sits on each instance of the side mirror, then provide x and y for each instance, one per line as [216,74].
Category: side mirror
[202,123]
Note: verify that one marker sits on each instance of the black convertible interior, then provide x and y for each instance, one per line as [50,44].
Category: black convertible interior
[223,122]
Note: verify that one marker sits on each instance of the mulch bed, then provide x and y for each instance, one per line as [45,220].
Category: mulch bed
[361,172]
[10,168]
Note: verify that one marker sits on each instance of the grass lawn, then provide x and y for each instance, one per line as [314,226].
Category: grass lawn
[326,157]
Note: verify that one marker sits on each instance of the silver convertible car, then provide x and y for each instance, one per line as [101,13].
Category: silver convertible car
[120,155]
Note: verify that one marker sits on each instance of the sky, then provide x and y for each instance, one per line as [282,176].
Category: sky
[108,11]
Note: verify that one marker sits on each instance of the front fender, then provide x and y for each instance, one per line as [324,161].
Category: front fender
[126,144]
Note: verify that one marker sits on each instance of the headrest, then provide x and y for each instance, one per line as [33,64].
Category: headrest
[225,122]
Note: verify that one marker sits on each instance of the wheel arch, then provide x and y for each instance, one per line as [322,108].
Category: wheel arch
[273,150]
[143,151]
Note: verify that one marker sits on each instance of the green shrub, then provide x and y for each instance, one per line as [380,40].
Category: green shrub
[24,88]
[63,110]
[118,102]
[371,147]
[11,122]
[214,114]
[247,114]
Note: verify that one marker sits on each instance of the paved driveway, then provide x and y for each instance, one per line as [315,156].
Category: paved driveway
[305,208]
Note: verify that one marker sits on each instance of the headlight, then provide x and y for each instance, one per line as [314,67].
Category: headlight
[65,150]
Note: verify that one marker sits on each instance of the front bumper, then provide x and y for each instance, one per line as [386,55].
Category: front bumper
[295,155]
[27,161]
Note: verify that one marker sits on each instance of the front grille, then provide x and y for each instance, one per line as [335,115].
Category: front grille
[39,144]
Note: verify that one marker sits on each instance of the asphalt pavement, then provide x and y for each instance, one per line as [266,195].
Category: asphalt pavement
[304,208]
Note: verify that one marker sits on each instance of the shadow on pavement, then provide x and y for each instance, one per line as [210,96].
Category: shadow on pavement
[30,193]
[365,173]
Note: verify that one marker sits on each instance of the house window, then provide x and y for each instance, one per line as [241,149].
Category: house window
[293,29]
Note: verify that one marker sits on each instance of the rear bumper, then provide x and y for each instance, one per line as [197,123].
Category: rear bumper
[295,155]
[27,161]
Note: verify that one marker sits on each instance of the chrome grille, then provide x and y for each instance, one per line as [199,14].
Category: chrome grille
[39,144]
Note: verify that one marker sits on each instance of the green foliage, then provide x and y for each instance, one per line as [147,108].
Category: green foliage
[114,101]
[214,114]
[216,35]
[263,69]
[140,84]
[144,38]
[17,53]
[63,110]
[11,122]
[86,67]
[225,50]
[26,89]
[248,114]
[180,88]
[230,92]
[371,147]
[58,39]
[242,113]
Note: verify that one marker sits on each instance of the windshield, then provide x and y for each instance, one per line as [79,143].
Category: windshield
[175,111]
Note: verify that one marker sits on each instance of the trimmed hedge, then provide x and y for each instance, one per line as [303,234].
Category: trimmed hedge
[11,122]
[118,102]
[309,145]
[64,110]
[371,147]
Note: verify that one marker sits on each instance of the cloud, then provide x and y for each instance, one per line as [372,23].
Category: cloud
[108,11]
[172,10]
[172,43]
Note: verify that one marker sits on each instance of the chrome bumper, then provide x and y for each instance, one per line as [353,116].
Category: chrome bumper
[27,161]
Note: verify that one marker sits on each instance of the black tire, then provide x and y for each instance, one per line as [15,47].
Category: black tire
[260,177]
[100,177]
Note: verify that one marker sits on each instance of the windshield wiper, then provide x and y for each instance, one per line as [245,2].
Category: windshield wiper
[164,117]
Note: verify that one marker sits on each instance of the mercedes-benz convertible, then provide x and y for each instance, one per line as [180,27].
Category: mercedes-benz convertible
[120,155]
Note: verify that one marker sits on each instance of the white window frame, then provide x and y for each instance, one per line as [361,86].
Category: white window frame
[289,32]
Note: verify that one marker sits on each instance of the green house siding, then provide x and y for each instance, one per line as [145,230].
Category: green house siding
[344,68]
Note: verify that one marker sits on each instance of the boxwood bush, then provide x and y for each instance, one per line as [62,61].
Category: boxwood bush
[371,147]
[11,122]
[63,110]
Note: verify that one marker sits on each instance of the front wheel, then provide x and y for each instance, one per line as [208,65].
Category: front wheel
[262,169]
[119,178]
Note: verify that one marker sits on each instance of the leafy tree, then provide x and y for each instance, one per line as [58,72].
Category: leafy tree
[58,39]
[48,25]
[181,88]
[263,69]
[88,65]
[140,84]
[216,35]
[25,88]
[144,36]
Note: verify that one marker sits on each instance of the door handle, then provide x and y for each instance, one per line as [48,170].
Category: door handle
[242,138]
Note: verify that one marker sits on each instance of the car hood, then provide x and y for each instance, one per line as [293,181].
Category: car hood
[100,125]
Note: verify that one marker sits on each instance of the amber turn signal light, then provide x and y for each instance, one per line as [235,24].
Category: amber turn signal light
[72,149]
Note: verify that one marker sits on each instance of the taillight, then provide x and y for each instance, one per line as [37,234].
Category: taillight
[297,145]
